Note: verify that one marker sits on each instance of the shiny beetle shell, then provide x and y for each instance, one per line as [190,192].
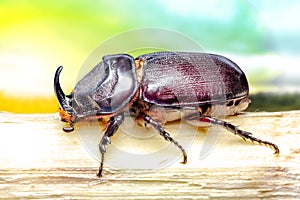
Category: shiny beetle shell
[183,79]
[169,80]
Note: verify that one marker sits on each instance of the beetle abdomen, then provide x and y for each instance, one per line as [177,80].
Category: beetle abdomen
[182,79]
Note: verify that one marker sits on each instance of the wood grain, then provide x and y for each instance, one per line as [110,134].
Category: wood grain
[40,161]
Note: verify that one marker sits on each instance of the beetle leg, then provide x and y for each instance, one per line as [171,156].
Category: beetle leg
[244,134]
[113,125]
[166,135]
[69,128]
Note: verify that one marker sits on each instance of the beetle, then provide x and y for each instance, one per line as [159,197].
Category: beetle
[169,80]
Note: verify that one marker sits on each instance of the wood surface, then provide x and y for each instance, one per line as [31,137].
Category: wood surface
[40,161]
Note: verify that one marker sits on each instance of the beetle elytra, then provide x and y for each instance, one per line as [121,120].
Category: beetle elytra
[169,80]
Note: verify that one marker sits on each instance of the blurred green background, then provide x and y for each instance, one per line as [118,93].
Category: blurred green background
[38,36]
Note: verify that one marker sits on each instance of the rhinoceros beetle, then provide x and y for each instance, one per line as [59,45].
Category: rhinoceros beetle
[169,80]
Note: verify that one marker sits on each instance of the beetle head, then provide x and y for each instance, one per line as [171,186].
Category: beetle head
[65,109]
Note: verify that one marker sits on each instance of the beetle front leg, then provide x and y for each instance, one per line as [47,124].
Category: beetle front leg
[113,125]
[244,134]
[166,135]
[70,128]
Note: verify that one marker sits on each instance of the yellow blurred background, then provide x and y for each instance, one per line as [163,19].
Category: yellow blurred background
[38,36]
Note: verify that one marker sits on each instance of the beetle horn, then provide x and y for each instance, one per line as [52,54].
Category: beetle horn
[60,95]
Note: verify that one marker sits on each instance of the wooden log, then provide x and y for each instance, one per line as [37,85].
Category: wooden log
[40,161]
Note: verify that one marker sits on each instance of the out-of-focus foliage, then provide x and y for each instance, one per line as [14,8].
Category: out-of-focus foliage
[274,102]
[38,36]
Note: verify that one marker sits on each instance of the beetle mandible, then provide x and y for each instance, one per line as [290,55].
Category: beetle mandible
[114,86]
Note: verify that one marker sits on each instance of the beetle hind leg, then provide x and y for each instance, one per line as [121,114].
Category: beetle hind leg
[166,135]
[244,134]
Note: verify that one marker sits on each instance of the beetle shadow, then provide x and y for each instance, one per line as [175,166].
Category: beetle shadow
[143,148]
